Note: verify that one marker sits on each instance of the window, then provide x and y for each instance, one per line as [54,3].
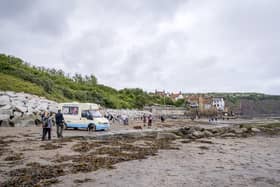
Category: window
[85,114]
[95,114]
[70,110]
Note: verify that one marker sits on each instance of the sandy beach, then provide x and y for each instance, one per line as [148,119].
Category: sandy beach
[140,159]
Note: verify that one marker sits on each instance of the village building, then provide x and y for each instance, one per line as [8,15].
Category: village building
[161,93]
[205,103]
[193,101]
[219,103]
[176,96]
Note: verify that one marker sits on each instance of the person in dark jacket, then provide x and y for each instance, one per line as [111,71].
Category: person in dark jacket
[150,120]
[59,119]
[47,125]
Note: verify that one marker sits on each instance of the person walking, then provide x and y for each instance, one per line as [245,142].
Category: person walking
[150,119]
[162,118]
[47,125]
[59,120]
[144,120]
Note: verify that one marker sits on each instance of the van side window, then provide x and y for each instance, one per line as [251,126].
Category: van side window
[84,114]
[70,110]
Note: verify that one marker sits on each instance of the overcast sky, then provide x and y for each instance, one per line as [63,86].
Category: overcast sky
[176,45]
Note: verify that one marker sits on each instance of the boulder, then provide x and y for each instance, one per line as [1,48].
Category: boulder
[228,135]
[198,128]
[4,100]
[166,135]
[214,130]
[11,94]
[179,133]
[4,123]
[21,109]
[207,133]
[18,114]
[244,130]
[191,130]
[6,107]
[4,116]
[24,121]
[53,108]
[184,131]
[198,134]
[238,131]
[255,130]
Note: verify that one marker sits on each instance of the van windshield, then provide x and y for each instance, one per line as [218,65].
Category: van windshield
[95,113]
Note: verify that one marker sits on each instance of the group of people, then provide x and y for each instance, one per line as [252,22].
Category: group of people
[119,118]
[148,119]
[48,120]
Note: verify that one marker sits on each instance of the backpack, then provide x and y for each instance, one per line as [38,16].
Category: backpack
[45,122]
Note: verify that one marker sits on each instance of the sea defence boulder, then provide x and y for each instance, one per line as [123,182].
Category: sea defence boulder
[22,109]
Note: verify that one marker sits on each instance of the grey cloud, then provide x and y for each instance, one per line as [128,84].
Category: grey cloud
[14,8]
[37,17]
[186,45]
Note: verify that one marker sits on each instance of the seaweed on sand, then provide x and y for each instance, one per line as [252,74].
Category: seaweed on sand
[33,175]
[50,146]
[14,157]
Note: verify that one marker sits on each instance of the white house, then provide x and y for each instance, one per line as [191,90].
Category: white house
[219,103]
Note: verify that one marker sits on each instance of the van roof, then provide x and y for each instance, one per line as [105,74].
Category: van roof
[86,106]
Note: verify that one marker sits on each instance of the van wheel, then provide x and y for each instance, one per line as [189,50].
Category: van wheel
[65,126]
[91,127]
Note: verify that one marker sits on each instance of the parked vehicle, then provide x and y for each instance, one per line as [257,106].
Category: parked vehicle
[83,116]
[228,116]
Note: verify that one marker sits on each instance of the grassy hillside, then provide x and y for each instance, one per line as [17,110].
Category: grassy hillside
[16,75]
[8,82]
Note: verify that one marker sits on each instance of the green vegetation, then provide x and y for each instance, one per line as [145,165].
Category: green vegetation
[18,76]
[8,82]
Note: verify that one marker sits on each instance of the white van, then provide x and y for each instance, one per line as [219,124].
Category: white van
[82,115]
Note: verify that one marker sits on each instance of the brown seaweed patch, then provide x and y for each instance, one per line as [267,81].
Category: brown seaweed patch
[66,158]
[203,147]
[118,151]
[33,175]
[86,146]
[88,163]
[63,140]
[48,182]
[50,146]
[14,157]
[80,181]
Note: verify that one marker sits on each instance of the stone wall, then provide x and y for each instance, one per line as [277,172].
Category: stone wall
[21,109]
[132,114]
[158,110]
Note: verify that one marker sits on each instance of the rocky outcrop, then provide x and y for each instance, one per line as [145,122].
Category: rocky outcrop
[21,109]
[166,135]
[198,132]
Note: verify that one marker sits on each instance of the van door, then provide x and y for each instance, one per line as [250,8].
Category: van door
[84,116]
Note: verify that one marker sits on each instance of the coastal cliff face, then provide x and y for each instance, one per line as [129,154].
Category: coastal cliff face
[22,109]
